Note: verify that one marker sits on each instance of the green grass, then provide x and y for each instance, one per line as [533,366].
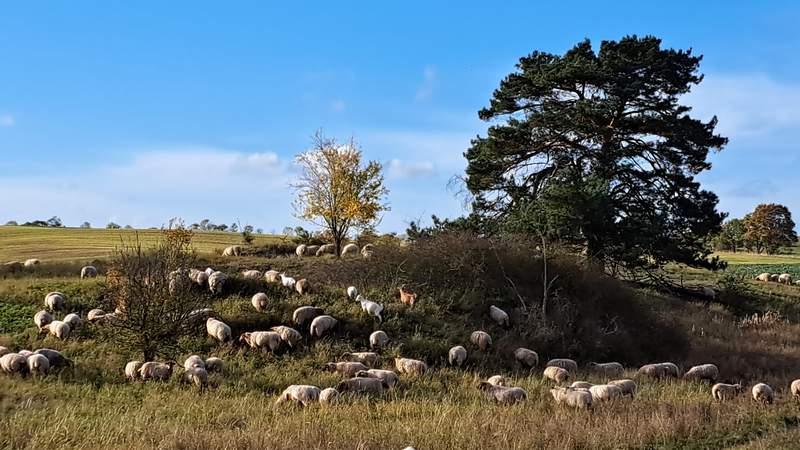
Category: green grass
[70,244]
[789,256]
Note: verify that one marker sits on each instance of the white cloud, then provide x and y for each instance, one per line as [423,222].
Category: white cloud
[7,120]
[402,170]
[425,90]
[747,104]
[338,106]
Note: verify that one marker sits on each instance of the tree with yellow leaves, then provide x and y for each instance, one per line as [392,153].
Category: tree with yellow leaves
[335,191]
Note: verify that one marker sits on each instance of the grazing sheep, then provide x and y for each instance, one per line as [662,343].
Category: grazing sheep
[42,318]
[378,339]
[38,364]
[216,281]
[457,355]
[55,301]
[763,393]
[497,380]
[31,263]
[95,315]
[251,274]
[671,369]
[774,277]
[73,320]
[388,376]
[502,394]
[262,340]
[611,369]
[328,249]
[214,364]
[628,387]
[526,357]
[367,251]
[371,308]
[570,365]
[362,385]
[299,393]
[233,250]
[24,353]
[287,281]
[328,396]
[368,358]
[288,334]
[197,316]
[311,250]
[13,267]
[193,362]
[352,292]
[197,376]
[156,371]
[659,370]
[322,324]
[13,363]
[703,372]
[555,373]
[132,369]
[198,277]
[723,392]
[763,276]
[300,250]
[797,283]
[410,366]
[580,385]
[785,278]
[795,388]
[218,329]
[209,271]
[302,286]
[88,272]
[407,297]
[350,249]
[303,314]
[348,369]
[259,301]
[58,329]
[55,357]
[272,276]
[481,339]
[499,316]
[574,398]
[4,350]
[605,392]
[178,281]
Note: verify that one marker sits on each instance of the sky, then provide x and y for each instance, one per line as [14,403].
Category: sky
[136,112]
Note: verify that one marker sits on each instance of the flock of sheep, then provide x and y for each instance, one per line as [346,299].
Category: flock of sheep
[782,278]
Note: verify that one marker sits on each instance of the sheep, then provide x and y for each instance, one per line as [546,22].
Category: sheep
[58,329]
[73,320]
[407,297]
[605,392]
[25,353]
[371,308]
[251,274]
[55,357]
[378,339]
[197,316]
[13,267]
[303,314]
[348,369]
[299,393]
[288,335]
[95,315]
[262,340]
[568,364]
[352,292]
[214,364]
[785,278]
[329,249]
[300,250]
[367,251]
[497,380]
[328,396]
[287,281]
[156,371]
[132,369]
[703,372]
[774,277]
[581,385]
[763,393]
[368,358]
[54,301]
[233,250]
[38,364]
[763,276]
[198,277]
[481,339]
[302,286]
[671,369]
[722,391]
[31,263]
[42,318]
[216,281]
[272,276]
[526,357]
[574,398]
[197,376]
[389,376]
[410,366]
[502,394]
[499,316]
[193,362]
[362,385]
[88,272]
[659,370]
[259,301]
[795,388]
[321,324]
[457,355]
[555,373]
[178,281]
[610,369]
[628,387]
[218,330]
[311,250]
[349,249]
[13,363]
[209,271]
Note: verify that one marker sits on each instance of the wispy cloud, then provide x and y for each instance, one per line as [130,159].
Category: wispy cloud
[7,120]
[403,170]
[338,106]
[425,90]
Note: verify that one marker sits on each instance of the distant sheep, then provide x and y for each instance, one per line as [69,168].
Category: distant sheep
[352,292]
[13,363]
[260,301]
[350,249]
[660,370]
[497,380]
[362,385]
[262,340]
[628,387]
[581,385]
[55,357]
[410,366]
[311,250]
[785,278]
[58,329]
[214,364]
[763,276]
[499,316]
[198,277]
[526,357]
[322,324]
[218,330]
[327,249]
[300,250]
[605,393]
[367,251]
[388,376]
[328,396]
[795,388]
[502,394]
[13,267]
[272,276]
[763,393]
[194,361]
[302,286]
[368,358]
[156,371]
[55,301]
[703,372]
[304,314]
[348,368]
[88,272]
[457,355]
[216,281]
[31,263]
[251,274]
[569,364]
[555,373]
[288,334]
[38,364]
[407,297]
[95,315]
[73,320]
[287,282]
[197,376]
[300,394]
[178,281]
[378,339]
[371,308]
[481,339]
[233,250]
[774,277]
[574,398]
[132,369]
[610,369]
[723,392]
[42,318]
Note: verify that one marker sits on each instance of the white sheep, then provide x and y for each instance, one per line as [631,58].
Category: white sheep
[73,320]
[569,364]
[13,363]
[132,369]
[209,271]
[795,388]
[58,329]
[178,281]
[763,276]
[371,308]
[42,318]
[262,340]
[25,353]
[378,339]
[195,375]
[367,250]
[348,369]
[194,361]
[272,276]
[328,396]
[251,274]
[481,339]
[362,385]
[88,272]
[302,286]
[95,315]
[605,392]
[659,370]
[610,369]
[300,250]
[555,373]
[627,386]
[410,366]
[55,301]
[352,292]
[502,394]
[763,393]
[299,393]
[198,277]
[703,372]
[322,324]
[304,314]
[156,371]
[31,263]
[233,250]
[38,364]
[581,385]
[722,391]
[288,334]
[457,355]
[499,316]
[388,376]
[287,281]
[785,278]
[218,329]
[216,281]
[350,249]
[497,380]
[260,301]
[214,364]
[368,358]
[327,249]
[574,398]
[526,357]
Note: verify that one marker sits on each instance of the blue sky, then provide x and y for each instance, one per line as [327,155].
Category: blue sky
[140,111]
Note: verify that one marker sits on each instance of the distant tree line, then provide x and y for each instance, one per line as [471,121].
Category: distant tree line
[53,222]
[765,230]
